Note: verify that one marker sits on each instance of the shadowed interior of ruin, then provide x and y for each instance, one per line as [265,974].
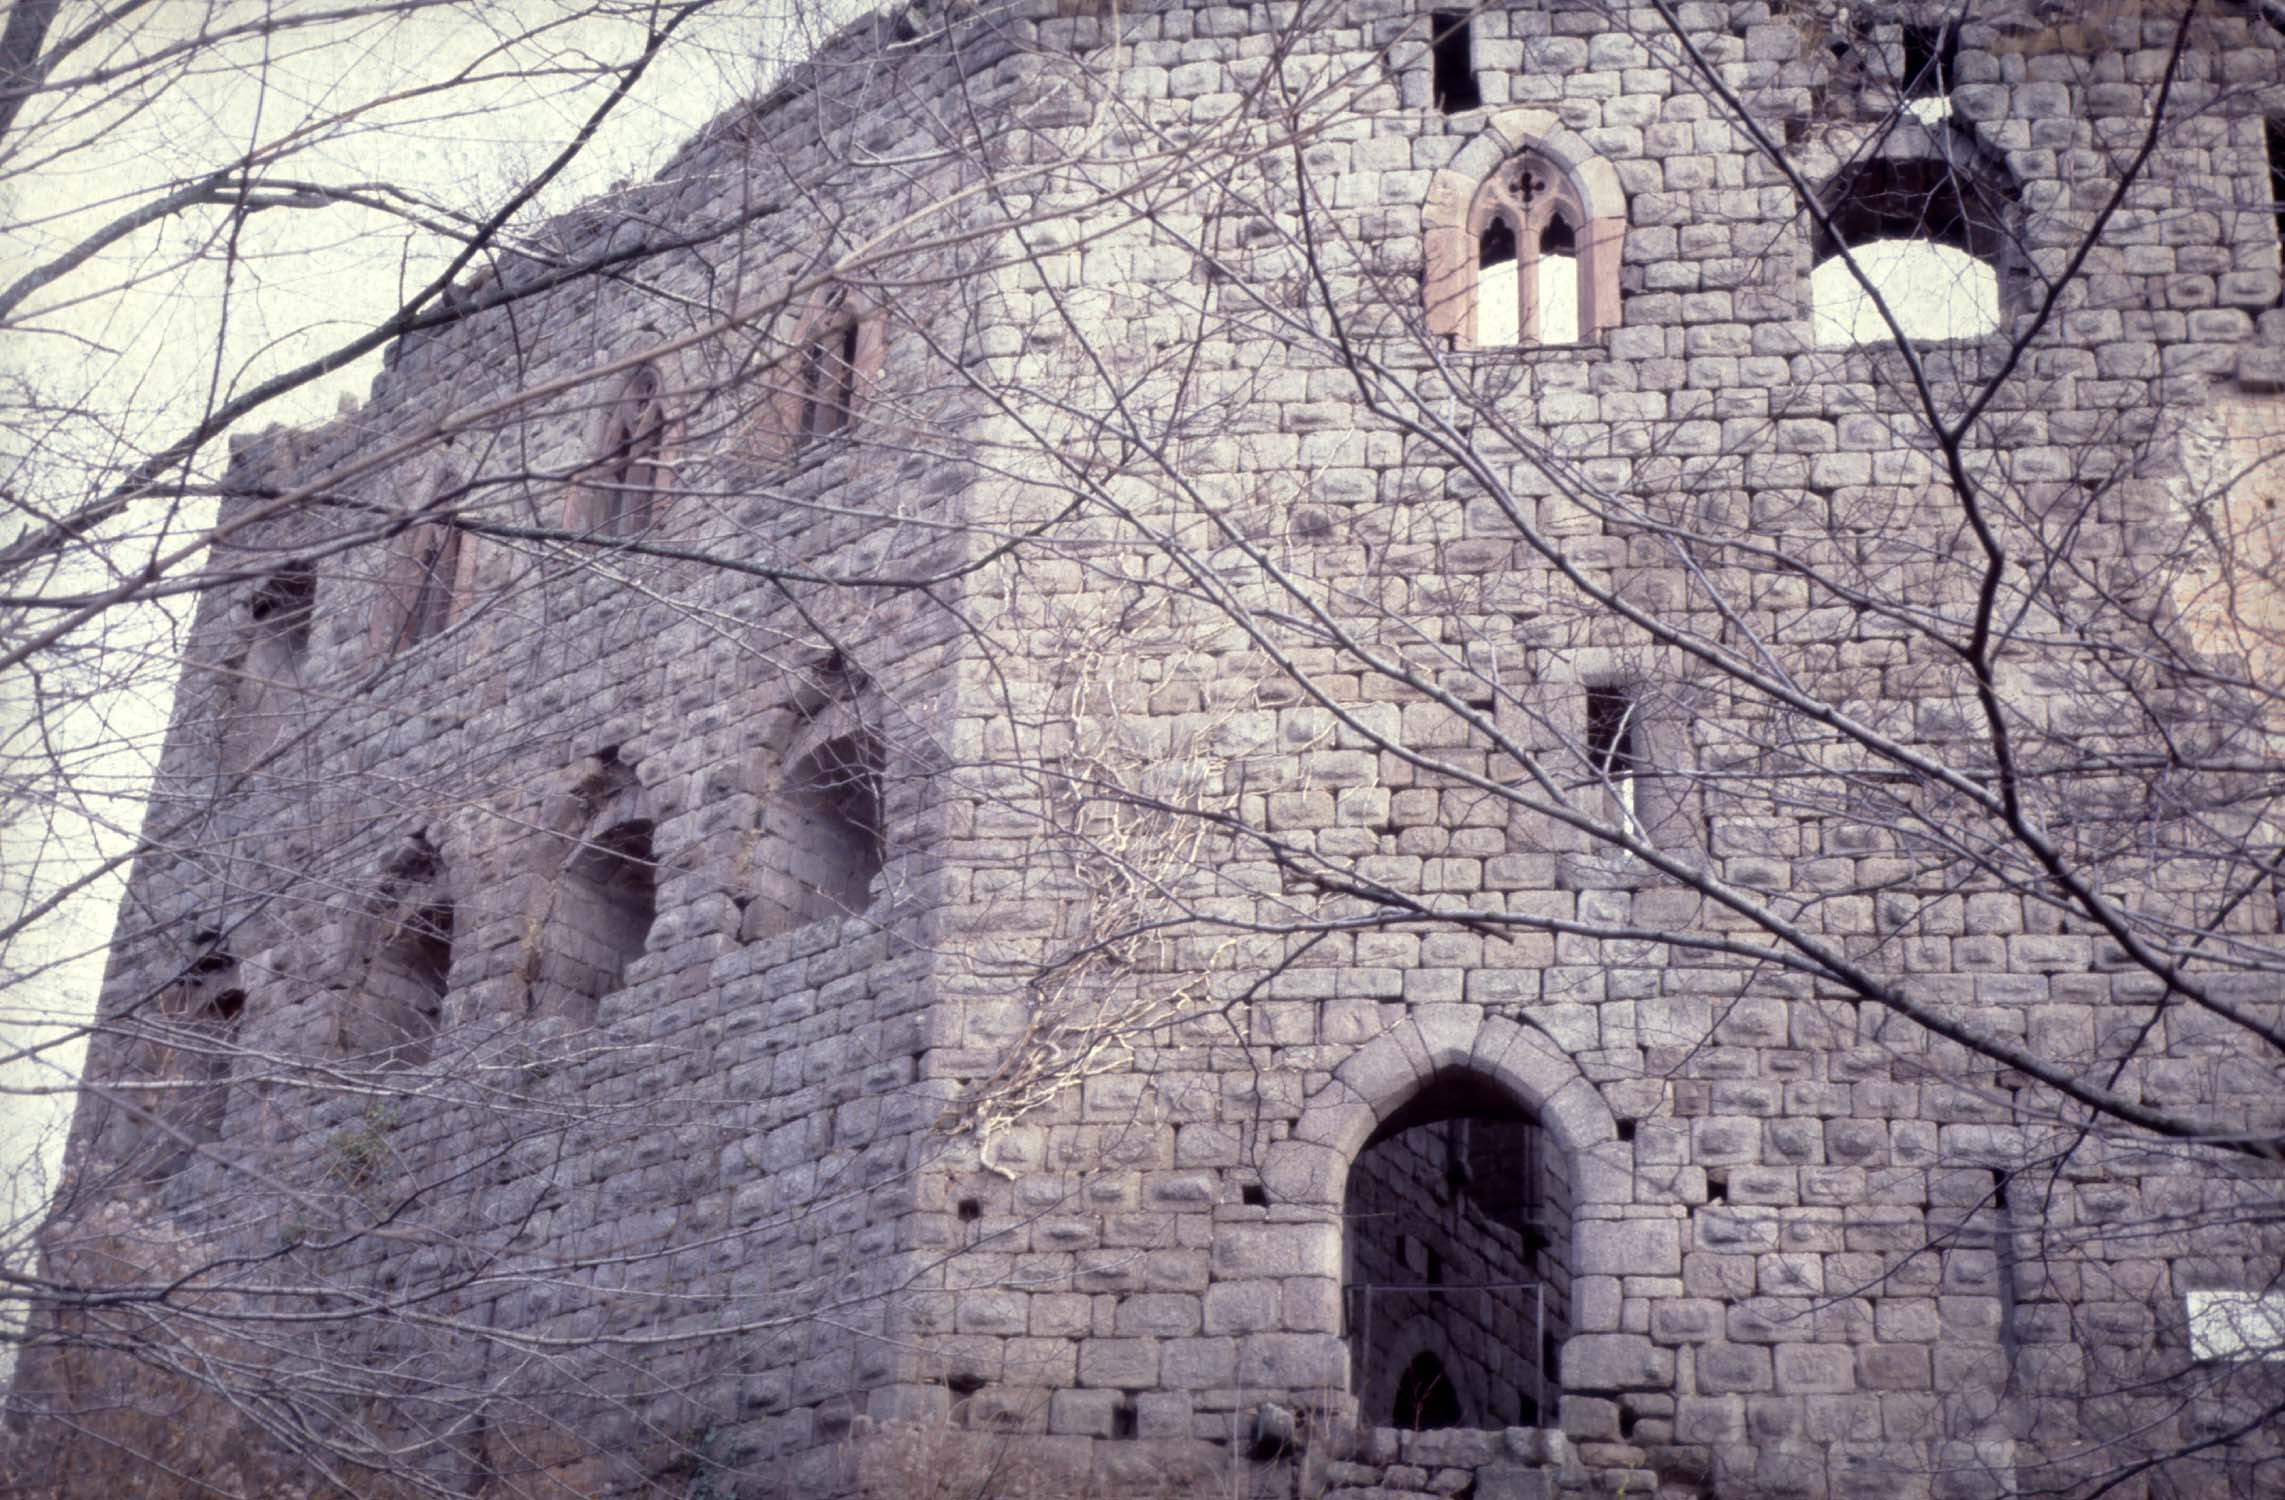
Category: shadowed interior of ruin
[1457,1295]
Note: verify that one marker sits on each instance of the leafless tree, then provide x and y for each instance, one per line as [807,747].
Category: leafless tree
[1853,745]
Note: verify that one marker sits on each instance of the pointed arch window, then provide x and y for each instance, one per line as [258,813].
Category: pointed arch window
[1525,256]
[1528,287]
[1425,1396]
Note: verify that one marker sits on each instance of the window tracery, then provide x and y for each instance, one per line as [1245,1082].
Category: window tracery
[1525,223]
[1523,238]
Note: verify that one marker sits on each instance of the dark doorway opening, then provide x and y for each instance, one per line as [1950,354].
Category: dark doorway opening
[1458,1228]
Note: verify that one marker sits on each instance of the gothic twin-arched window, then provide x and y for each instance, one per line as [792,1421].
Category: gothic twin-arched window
[1523,241]
[1524,232]
[1526,226]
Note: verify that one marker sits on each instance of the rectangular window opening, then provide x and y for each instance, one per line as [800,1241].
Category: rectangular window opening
[829,384]
[1452,45]
[1928,55]
[1614,739]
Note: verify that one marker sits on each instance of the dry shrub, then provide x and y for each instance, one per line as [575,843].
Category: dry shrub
[158,1397]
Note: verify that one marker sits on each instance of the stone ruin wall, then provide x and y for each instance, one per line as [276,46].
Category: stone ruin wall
[1787,1263]
[712,1138]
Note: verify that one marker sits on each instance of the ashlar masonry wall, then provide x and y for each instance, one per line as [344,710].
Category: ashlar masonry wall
[1043,1157]
[1803,1259]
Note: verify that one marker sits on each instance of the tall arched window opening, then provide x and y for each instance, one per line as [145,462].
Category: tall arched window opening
[436,560]
[605,904]
[827,846]
[260,682]
[629,467]
[421,581]
[1458,1225]
[199,1014]
[398,1002]
[406,983]
[1934,243]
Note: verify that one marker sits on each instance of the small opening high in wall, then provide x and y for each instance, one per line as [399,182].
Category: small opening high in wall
[284,606]
[1613,749]
[1452,50]
[1929,52]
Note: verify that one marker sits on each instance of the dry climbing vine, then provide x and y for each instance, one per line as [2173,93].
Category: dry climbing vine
[1125,823]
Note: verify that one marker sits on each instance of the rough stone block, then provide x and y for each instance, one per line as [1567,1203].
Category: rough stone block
[1630,1247]
[1615,1362]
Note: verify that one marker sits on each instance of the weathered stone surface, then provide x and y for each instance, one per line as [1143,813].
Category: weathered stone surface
[1735,1225]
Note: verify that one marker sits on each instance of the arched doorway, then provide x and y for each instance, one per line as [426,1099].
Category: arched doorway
[1457,1236]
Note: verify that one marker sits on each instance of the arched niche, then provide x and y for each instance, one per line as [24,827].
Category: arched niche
[597,906]
[823,837]
[1444,1062]
[1522,237]
[405,939]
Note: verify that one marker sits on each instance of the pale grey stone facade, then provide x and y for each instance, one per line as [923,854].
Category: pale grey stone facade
[654,1090]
